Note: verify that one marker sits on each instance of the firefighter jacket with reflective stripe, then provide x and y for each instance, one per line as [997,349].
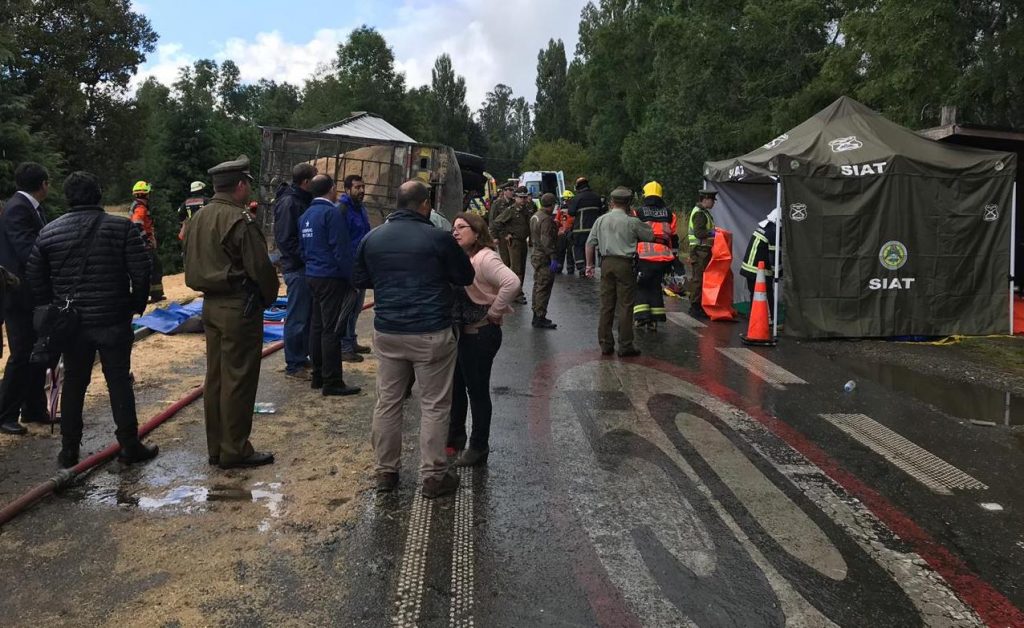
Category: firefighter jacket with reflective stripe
[585,208]
[701,227]
[760,248]
[663,223]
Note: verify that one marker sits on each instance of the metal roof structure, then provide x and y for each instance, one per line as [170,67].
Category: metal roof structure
[366,125]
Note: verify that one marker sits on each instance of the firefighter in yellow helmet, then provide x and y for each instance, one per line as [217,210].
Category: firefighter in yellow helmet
[143,218]
[655,258]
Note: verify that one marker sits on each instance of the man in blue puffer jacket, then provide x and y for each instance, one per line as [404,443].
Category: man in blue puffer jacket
[327,253]
[352,207]
[411,266]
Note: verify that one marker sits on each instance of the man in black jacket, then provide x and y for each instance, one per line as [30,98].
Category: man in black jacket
[411,266]
[22,218]
[99,262]
[288,207]
[585,208]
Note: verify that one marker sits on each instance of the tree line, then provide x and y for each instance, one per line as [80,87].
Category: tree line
[653,89]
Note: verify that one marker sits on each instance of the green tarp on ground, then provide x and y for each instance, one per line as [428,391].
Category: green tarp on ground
[885,233]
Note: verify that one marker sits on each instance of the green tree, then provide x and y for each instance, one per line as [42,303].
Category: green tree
[551,110]
[505,126]
[73,61]
[449,111]
[361,78]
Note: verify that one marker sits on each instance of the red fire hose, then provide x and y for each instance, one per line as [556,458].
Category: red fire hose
[66,477]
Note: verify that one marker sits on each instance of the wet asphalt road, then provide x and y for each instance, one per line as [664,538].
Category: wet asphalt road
[686,488]
[693,486]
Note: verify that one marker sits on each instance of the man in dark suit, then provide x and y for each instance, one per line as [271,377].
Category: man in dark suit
[21,393]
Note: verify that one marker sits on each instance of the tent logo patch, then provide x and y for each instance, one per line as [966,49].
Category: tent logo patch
[991,213]
[798,212]
[776,142]
[846,144]
[893,255]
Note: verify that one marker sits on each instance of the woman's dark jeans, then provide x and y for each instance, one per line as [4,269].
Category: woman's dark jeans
[472,387]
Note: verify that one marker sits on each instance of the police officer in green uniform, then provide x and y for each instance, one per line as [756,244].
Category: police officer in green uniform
[544,237]
[498,207]
[513,226]
[615,234]
[226,259]
[701,235]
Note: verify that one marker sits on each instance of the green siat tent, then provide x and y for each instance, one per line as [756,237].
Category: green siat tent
[884,232]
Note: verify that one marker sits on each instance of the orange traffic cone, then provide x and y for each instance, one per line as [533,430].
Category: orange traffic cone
[758,331]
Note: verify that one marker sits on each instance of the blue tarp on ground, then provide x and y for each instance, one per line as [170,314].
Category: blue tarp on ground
[180,319]
[173,319]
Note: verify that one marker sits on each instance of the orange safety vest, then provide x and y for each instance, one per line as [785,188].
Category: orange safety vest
[142,217]
[661,249]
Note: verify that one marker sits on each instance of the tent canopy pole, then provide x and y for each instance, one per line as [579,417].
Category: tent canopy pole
[776,271]
[1013,252]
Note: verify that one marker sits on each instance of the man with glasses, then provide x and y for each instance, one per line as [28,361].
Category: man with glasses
[226,259]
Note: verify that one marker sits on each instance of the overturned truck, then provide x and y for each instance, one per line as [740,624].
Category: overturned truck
[383,164]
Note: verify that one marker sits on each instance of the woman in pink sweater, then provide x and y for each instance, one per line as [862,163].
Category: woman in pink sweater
[479,311]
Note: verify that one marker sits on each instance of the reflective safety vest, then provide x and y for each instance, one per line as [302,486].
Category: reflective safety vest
[477,206]
[692,239]
[661,249]
[761,248]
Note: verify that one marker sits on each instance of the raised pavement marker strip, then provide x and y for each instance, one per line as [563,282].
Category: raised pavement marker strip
[409,597]
[460,614]
[684,320]
[764,368]
[920,464]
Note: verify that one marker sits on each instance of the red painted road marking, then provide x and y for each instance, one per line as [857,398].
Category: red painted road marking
[610,608]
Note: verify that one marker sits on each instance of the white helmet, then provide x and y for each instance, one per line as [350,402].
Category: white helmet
[197,186]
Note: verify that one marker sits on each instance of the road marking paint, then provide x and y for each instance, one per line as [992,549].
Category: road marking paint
[925,467]
[761,366]
[409,597]
[460,613]
[685,320]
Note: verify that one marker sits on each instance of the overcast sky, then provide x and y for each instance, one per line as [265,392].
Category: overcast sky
[490,41]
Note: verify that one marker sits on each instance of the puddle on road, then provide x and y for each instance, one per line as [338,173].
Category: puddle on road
[188,498]
[960,399]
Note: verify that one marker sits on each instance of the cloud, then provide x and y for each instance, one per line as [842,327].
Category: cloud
[269,56]
[489,42]
[170,58]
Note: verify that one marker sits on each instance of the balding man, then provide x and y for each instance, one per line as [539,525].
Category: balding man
[411,266]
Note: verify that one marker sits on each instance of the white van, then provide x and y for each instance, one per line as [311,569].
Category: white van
[541,182]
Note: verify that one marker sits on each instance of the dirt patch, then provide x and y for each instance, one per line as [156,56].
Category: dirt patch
[177,542]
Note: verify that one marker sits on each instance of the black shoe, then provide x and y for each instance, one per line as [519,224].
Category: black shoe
[317,381]
[340,390]
[629,353]
[361,349]
[137,452]
[387,482]
[439,486]
[13,427]
[68,457]
[255,459]
[351,357]
[543,323]
[473,458]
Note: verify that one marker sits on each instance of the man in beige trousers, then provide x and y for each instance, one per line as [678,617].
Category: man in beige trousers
[411,266]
